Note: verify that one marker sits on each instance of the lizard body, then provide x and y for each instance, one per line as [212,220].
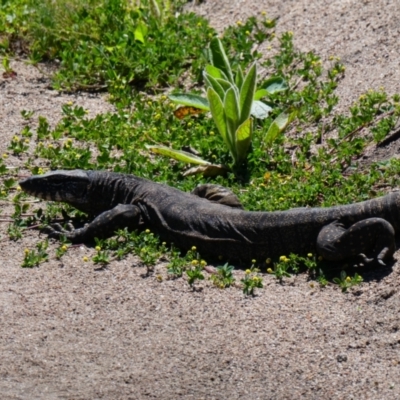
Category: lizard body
[121,200]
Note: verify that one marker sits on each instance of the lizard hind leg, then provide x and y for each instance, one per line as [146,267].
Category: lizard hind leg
[373,236]
[217,194]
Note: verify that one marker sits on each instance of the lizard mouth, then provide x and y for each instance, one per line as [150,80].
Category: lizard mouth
[29,187]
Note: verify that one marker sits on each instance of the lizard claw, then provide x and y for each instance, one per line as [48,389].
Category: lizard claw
[367,260]
[56,230]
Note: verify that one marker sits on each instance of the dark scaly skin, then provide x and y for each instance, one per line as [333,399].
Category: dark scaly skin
[121,200]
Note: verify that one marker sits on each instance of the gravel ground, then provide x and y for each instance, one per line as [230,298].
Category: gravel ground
[70,331]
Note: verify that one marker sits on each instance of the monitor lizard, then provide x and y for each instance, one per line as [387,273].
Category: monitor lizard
[212,218]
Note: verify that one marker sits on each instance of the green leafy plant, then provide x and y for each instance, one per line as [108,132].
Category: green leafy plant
[62,249]
[292,264]
[102,256]
[345,282]
[195,273]
[223,276]
[32,258]
[251,280]
[232,99]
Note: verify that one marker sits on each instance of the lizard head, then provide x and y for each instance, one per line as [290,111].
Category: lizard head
[67,186]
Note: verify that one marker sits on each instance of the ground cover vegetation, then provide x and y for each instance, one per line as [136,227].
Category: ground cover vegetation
[293,150]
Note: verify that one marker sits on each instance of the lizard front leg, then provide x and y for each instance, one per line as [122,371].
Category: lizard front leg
[373,236]
[103,226]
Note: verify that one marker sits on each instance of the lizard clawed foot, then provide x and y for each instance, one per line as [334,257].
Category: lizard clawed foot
[369,261]
[56,230]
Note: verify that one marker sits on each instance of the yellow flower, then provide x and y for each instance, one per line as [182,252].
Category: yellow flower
[267,175]
[348,279]
[40,171]
[248,271]
[149,103]
[26,251]
[50,146]
[268,261]
[194,262]
[194,248]
[263,13]
[247,33]
[282,258]
[164,243]
[69,103]
[64,247]
[5,155]
[85,259]
[19,188]
[253,261]
[97,248]
[239,23]
[147,230]
[212,133]
[309,255]
[269,270]
[256,278]
[189,124]
[203,262]
[159,278]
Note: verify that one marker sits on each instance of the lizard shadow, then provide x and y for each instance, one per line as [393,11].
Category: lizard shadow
[370,272]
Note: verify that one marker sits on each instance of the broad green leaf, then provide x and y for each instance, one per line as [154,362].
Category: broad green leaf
[218,113]
[191,100]
[239,77]
[215,72]
[260,110]
[226,85]
[141,32]
[177,155]
[213,83]
[275,84]
[219,58]
[231,106]
[243,139]
[260,93]
[210,170]
[247,93]
[277,126]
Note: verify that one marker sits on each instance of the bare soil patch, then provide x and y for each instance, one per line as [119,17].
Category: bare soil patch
[70,331]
